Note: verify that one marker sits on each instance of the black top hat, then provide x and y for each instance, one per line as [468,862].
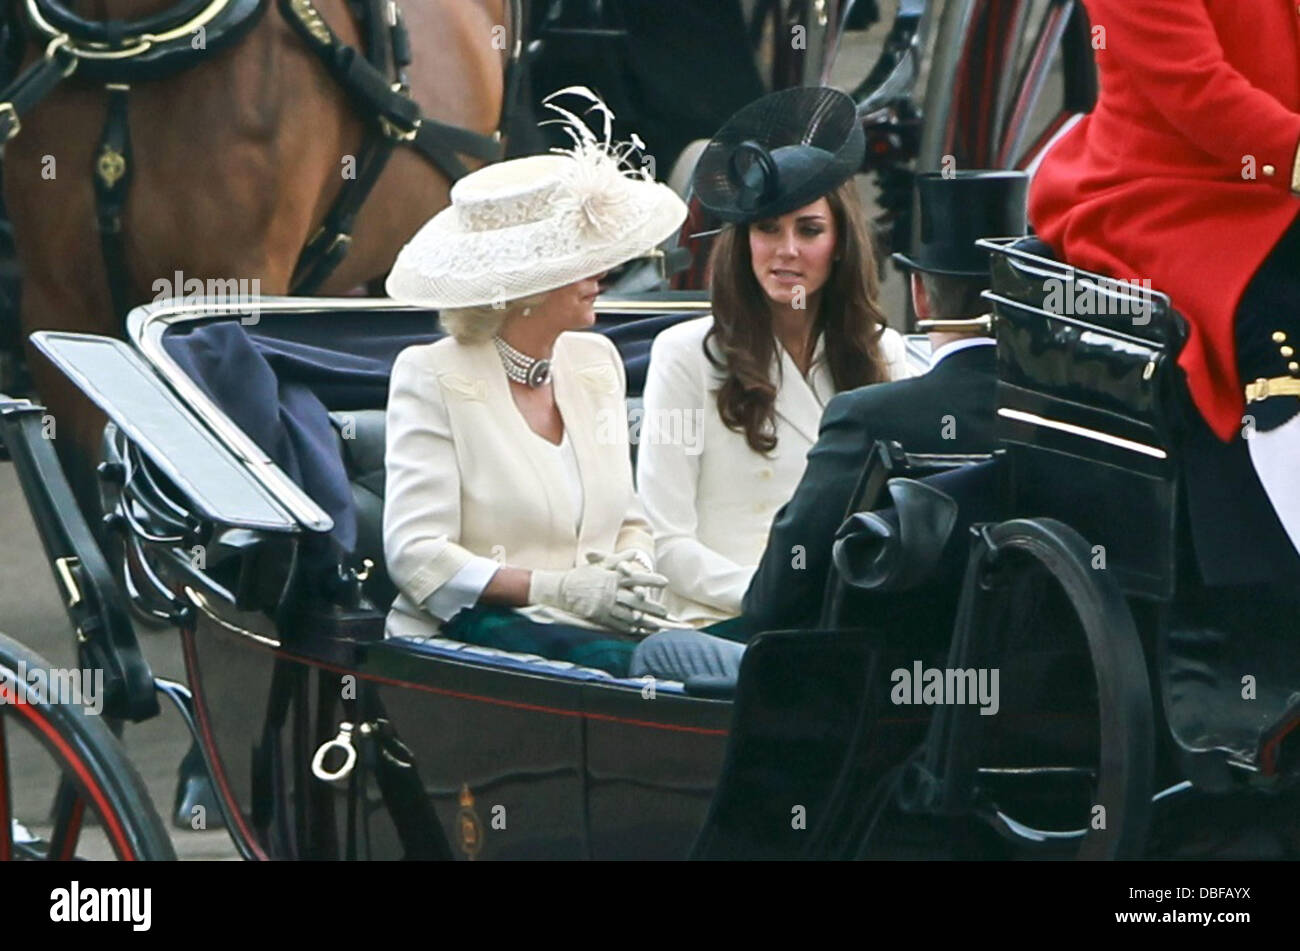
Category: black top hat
[959,208]
[780,153]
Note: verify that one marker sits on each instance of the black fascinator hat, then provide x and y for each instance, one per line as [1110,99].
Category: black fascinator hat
[780,153]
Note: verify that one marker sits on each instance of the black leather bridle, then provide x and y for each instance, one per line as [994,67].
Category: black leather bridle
[118,53]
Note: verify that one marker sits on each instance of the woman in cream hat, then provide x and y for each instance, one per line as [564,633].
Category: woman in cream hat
[510,517]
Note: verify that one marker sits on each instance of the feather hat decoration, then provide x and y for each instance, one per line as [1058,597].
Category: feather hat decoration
[595,185]
[532,224]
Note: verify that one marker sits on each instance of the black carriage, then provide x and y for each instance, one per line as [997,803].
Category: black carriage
[1121,677]
[1136,702]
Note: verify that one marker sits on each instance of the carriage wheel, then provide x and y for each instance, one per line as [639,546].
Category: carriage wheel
[1064,767]
[994,96]
[67,788]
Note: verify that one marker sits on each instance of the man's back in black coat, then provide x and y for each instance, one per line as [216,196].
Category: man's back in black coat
[947,410]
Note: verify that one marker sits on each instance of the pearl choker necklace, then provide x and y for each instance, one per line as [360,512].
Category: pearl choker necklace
[522,368]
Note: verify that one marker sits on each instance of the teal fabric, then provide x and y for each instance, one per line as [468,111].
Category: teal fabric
[506,629]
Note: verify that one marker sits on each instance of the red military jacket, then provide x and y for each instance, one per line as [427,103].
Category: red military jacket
[1182,174]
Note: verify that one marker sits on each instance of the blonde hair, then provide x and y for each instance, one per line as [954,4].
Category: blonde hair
[481,322]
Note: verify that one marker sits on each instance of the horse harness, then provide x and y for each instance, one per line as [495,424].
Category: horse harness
[119,53]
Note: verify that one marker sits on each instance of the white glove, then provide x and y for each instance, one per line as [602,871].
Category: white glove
[604,596]
[631,557]
[629,562]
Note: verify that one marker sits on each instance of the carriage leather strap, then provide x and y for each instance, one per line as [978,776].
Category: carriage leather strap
[31,86]
[114,169]
[396,121]
[398,114]
[131,51]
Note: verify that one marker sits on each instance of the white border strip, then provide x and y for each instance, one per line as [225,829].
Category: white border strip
[1073,430]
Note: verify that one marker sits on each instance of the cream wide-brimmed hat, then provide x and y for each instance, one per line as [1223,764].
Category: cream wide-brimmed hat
[533,224]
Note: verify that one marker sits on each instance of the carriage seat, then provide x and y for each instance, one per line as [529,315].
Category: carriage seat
[361,443]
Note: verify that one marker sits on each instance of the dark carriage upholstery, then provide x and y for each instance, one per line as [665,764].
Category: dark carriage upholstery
[1114,374]
[361,445]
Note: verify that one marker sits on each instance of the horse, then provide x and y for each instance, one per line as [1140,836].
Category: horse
[235,164]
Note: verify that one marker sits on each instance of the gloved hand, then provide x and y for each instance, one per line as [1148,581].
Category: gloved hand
[604,596]
[631,557]
[629,562]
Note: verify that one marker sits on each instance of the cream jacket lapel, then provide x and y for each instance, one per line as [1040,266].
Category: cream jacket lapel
[800,401]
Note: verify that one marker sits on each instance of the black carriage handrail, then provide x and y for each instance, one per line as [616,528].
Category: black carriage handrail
[1090,396]
[106,638]
[1163,323]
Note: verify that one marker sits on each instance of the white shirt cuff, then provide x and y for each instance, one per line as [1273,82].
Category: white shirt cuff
[462,590]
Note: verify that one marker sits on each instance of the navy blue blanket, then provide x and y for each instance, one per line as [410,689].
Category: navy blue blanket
[275,391]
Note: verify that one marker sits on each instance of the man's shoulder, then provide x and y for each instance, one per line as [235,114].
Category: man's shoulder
[976,365]
[868,401]
[889,410]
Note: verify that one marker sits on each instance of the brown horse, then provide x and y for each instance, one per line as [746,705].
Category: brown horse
[236,162]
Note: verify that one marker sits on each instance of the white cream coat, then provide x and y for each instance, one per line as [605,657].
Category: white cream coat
[709,496]
[466,475]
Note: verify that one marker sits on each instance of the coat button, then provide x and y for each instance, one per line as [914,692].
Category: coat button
[1279,337]
[1269,170]
[1293,367]
[1288,352]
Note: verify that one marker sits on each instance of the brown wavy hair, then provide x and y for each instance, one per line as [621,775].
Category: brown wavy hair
[741,341]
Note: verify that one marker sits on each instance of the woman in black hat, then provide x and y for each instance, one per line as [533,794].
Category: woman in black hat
[733,401]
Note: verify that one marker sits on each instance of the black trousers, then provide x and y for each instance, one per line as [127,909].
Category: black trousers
[1236,534]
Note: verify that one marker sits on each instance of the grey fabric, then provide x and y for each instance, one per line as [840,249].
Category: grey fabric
[685,655]
[361,442]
